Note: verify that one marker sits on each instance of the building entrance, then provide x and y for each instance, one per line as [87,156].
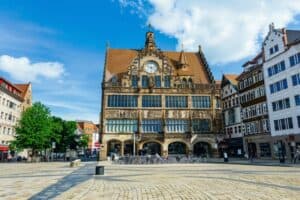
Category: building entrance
[201,149]
[152,148]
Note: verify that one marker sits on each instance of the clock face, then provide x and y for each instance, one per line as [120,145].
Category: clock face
[151,67]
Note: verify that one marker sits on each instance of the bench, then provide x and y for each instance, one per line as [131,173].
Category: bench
[75,163]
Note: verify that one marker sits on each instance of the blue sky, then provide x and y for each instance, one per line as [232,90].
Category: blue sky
[60,45]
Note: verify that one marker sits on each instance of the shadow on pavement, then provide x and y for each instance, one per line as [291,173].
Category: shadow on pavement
[82,174]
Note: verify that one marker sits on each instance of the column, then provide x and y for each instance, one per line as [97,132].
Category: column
[122,149]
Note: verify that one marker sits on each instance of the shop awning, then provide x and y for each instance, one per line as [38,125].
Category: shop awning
[4,148]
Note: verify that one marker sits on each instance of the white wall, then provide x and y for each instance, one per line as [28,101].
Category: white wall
[290,92]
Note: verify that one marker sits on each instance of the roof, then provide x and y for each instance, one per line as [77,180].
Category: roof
[232,78]
[254,60]
[292,36]
[118,61]
[23,88]
[9,83]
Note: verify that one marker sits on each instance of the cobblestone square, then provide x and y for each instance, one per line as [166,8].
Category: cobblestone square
[168,181]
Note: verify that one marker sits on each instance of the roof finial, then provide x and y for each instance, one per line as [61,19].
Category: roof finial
[271,26]
[150,28]
[182,46]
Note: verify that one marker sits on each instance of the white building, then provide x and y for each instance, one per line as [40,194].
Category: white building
[282,81]
[233,127]
[10,112]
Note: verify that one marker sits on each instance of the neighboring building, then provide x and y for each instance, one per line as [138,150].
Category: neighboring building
[231,110]
[10,112]
[282,79]
[257,139]
[26,95]
[90,129]
[168,100]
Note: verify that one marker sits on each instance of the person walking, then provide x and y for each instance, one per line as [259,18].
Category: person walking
[297,155]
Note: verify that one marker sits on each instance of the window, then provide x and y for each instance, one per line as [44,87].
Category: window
[283,124]
[201,101]
[151,101]
[218,103]
[275,69]
[295,59]
[121,125]
[177,125]
[114,81]
[157,81]
[281,104]
[134,81]
[296,79]
[297,100]
[145,81]
[298,118]
[271,51]
[122,101]
[278,86]
[167,82]
[231,116]
[276,48]
[176,102]
[265,149]
[201,125]
[151,125]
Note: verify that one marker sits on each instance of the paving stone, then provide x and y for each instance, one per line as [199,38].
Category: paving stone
[169,181]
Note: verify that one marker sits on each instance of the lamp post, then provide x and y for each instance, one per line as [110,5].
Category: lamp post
[134,133]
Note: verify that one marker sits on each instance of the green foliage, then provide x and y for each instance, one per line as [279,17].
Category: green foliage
[34,129]
[84,141]
[37,129]
[65,135]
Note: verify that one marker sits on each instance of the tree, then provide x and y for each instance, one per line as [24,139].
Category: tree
[34,130]
[65,136]
[84,141]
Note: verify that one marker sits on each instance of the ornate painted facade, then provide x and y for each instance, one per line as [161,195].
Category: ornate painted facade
[168,100]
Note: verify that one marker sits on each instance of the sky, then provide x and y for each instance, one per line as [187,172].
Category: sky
[59,46]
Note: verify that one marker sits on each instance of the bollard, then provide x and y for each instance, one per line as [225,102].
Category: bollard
[99,170]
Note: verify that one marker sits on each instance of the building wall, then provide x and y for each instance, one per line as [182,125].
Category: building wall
[10,113]
[293,111]
[180,85]
[90,129]
[231,111]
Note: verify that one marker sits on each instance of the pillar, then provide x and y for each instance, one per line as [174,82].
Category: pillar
[122,149]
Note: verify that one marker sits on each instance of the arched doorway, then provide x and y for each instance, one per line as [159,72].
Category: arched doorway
[177,148]
[128,147]
[152,148]
[202,149]
[113,146]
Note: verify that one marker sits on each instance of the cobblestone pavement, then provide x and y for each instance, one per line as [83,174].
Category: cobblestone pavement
[168,181]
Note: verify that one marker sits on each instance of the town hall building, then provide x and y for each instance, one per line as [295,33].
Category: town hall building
[165,102]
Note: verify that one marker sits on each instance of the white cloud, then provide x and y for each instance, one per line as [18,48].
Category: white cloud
[22,69]
[227,31]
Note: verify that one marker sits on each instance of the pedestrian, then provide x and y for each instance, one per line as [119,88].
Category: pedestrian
[225,156]
[297,155]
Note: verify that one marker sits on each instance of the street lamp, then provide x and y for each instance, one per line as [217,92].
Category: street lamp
[134,133]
